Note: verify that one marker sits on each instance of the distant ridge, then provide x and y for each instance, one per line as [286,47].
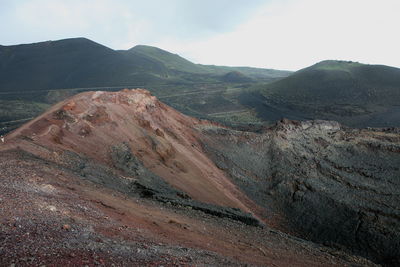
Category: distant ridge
[341,82]
[353,93]
[80,62]
[170,60]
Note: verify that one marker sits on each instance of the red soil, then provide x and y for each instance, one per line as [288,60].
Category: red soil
[165,140]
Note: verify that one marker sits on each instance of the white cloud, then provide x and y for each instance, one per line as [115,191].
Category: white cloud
[105,21]
[120,23]
[285,34]
[295,34]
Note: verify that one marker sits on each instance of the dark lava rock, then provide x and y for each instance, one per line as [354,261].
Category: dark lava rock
[335,186]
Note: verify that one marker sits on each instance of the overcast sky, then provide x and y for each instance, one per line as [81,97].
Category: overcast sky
[281,34]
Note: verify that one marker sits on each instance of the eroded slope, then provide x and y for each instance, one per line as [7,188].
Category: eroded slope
[135,139]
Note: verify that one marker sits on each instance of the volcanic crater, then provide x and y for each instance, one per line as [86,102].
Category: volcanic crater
[121,178]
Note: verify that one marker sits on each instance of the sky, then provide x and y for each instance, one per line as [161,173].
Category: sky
[279,34]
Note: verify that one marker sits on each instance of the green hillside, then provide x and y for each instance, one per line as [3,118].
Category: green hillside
[236,77]
[353,93]
[339,82]
[79,62]
[35,75]
[72,63]
[259,74]
[177,63]
[171,61]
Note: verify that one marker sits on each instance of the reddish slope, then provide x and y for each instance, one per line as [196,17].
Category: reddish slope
[162,138]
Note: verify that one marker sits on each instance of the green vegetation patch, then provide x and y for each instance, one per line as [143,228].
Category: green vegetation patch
[19,109]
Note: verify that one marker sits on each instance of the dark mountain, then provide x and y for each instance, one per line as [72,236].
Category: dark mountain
[171,61]
[352,93]
[340,82]
[236,77]
[73,63]
[31,76]
[80,62]
[177,63]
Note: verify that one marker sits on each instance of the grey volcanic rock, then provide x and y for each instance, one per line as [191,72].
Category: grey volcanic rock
[332,185]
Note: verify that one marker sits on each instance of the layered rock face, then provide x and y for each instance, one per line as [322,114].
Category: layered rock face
[325,183]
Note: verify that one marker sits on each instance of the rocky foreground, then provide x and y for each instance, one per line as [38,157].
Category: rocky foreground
[120,178]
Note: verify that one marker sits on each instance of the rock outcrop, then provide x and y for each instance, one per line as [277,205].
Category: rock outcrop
[326,183]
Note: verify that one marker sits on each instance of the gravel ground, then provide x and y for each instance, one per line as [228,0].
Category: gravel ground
[50,217]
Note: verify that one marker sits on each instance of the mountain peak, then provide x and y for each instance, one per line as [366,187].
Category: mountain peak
[68,41]
[99,111]
[335,64]
[165,140]
[149,48]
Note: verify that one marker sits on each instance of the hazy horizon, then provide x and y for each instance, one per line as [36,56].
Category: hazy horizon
[287,35]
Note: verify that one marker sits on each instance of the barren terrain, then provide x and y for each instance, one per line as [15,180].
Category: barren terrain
[120,178]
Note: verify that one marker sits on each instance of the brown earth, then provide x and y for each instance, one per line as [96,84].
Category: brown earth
[162,138]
